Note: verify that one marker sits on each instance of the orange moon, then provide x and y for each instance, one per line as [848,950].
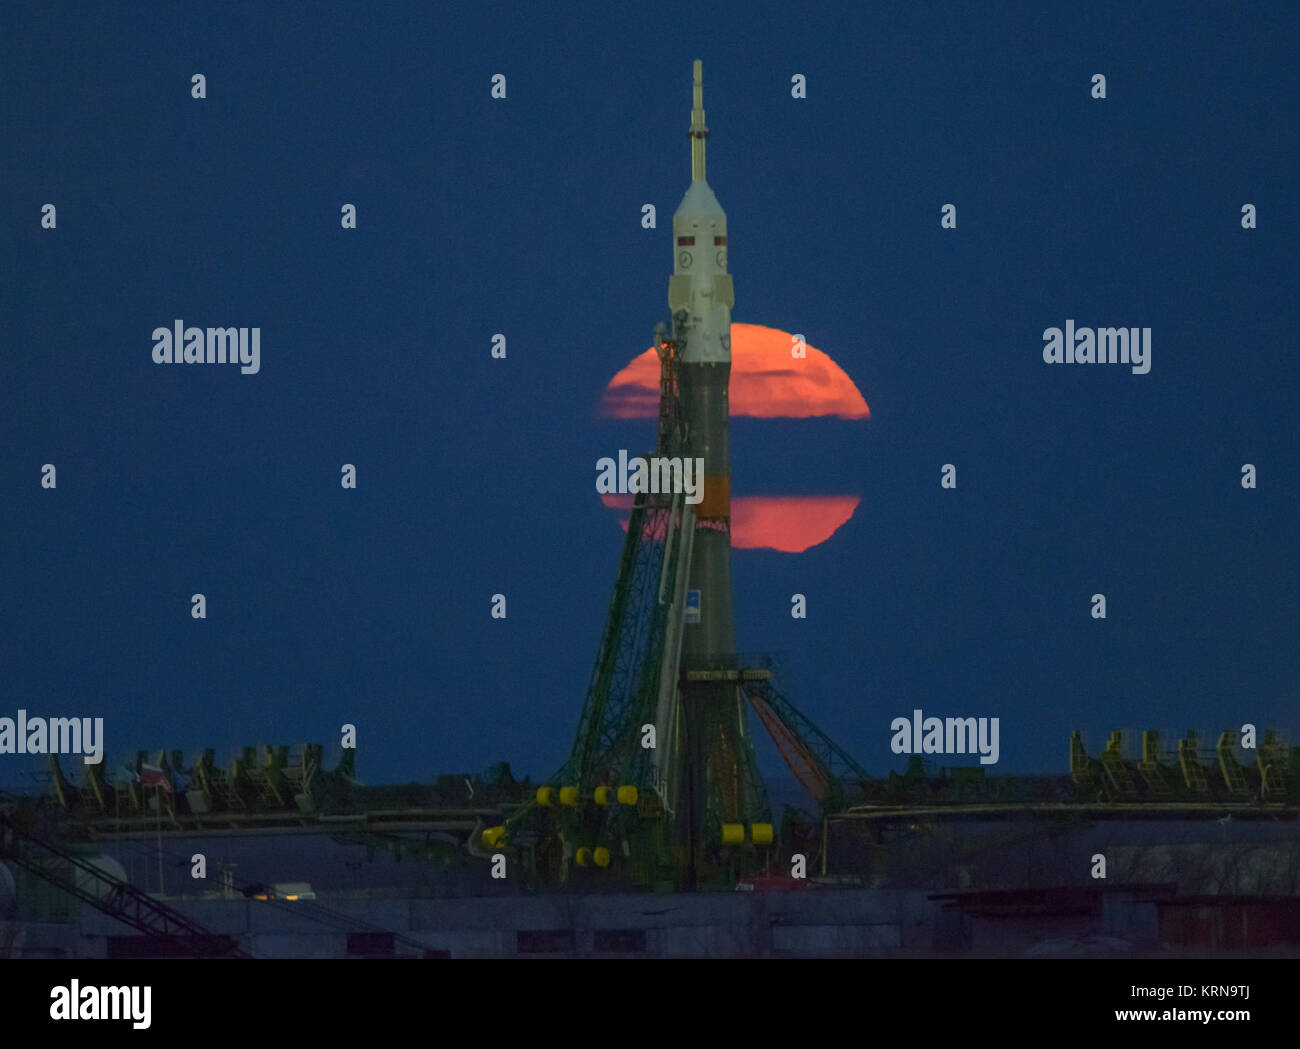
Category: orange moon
[767,382]
[788,523]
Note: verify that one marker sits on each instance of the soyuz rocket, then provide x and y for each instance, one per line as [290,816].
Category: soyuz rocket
[667,662]
[701,288]
[708,739]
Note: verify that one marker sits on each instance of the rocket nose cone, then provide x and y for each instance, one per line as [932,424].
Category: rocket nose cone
[699,200]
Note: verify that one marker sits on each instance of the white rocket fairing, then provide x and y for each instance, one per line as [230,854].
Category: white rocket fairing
[700,283]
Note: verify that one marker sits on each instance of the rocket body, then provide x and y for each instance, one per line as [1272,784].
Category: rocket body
[700,296]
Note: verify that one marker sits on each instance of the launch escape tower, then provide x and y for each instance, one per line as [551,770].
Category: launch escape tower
[662,782]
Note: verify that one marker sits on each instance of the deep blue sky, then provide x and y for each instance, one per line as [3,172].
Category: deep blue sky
[523,217]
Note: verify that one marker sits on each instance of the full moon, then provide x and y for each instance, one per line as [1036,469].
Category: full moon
[767,382]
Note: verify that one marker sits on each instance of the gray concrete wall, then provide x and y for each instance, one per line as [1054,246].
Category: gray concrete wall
[812,923]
